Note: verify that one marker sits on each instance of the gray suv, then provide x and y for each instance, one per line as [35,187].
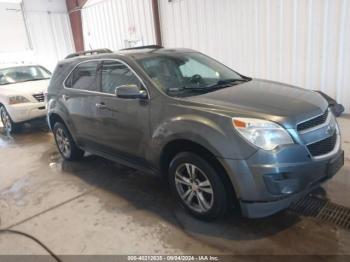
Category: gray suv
[222,140]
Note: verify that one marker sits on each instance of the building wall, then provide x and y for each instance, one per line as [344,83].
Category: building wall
[49,34]
[11,14]
[117,24]
[49,30]
[301,42]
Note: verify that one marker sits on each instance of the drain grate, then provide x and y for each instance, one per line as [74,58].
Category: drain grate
[323,210]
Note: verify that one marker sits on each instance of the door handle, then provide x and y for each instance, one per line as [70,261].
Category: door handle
[65,97]
[101,106]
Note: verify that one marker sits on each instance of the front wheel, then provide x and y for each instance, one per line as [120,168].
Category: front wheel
[197,186]
[8,124]
[65,143]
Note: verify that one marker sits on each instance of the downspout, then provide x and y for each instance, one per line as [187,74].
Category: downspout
[74,10]
[156,20]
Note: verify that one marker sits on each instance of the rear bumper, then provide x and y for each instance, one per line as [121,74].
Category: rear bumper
[264,189]
[26,111]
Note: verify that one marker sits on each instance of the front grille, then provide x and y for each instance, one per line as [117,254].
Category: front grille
[313,122]
[324,146]
[39,97]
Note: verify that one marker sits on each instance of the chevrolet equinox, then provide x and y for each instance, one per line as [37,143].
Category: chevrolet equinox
[222,139]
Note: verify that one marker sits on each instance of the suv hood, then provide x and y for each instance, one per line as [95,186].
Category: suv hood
[265,99]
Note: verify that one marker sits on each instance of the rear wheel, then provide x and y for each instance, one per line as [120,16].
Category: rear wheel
[8,124]
[197,186]
[65,143]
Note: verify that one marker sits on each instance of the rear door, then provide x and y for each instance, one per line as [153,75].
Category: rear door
[79,98]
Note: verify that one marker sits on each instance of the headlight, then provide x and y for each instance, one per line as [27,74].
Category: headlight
[17,100]
[264,134]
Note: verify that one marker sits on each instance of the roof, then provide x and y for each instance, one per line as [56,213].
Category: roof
[136,53]
[147,52]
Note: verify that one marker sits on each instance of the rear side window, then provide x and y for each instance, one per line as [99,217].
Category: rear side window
[84,77]
[115,74]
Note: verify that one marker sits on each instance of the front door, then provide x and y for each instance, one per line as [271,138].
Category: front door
[123,123]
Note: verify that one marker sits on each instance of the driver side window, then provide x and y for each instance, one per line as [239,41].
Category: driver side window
[115,74]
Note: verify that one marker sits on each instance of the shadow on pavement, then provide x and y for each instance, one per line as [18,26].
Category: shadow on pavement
[151,193]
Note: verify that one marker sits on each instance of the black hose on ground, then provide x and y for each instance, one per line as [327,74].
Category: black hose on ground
[10,231]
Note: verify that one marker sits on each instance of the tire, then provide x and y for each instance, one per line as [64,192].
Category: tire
[8,125]
[209,198]
[65,143]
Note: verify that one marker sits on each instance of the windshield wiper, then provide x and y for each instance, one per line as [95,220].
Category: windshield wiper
[199,89]
[218,85]
[185,88]
[226,83]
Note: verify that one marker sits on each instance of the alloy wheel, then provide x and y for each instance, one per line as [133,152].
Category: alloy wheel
[63,142]
[6,120]
[194,187]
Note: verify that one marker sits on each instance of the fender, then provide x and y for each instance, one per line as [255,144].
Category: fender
[197,129]
[194,128]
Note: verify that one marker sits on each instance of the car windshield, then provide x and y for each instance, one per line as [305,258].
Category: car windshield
[19,74]
[187,74]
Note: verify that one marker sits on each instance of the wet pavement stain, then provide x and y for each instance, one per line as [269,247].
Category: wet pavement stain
[143,205]
[144,193]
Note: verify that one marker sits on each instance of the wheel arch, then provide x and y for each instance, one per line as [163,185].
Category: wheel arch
[2,104]
[53,118]
[176,146]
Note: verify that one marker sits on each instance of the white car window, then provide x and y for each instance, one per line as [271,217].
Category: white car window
[18,74]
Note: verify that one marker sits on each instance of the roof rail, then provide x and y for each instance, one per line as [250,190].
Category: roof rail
[143,47]
[89,52]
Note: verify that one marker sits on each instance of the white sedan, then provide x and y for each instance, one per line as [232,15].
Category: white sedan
[22,89]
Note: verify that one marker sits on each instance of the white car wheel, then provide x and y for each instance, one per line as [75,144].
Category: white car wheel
[5,119]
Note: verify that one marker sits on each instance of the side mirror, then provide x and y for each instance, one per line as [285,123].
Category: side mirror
[130,92]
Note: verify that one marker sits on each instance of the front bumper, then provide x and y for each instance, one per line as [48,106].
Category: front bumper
[267,183]
[26,111]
